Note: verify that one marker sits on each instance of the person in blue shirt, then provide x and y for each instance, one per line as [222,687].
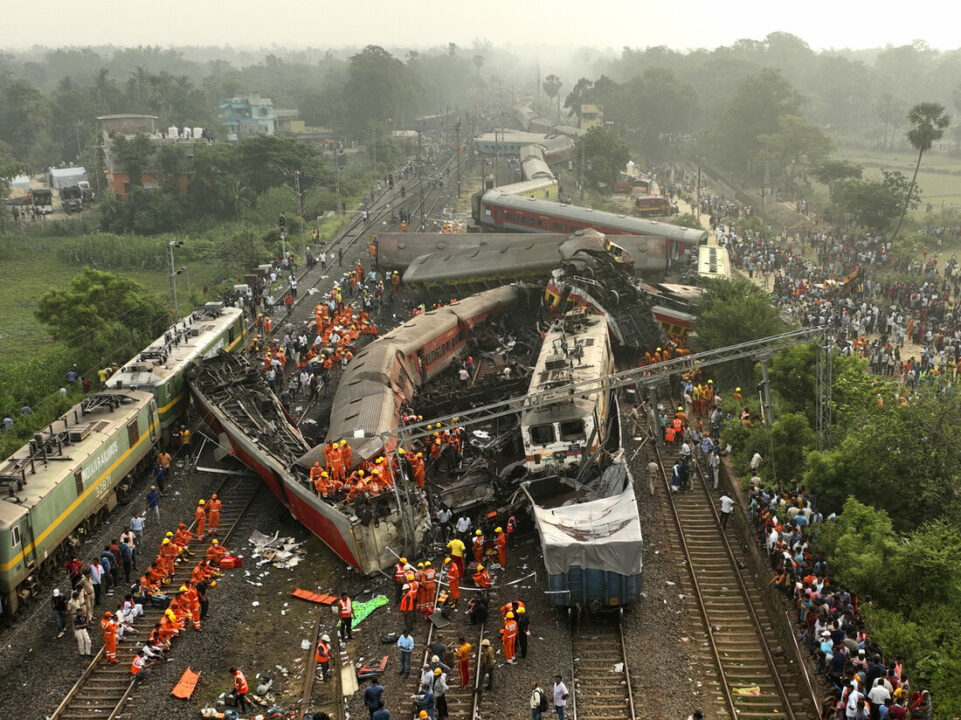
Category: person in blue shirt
[381,713]
[372,696]
[406,644]
[153,501]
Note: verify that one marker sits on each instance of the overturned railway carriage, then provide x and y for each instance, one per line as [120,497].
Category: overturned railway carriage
[470,270]
[159,368]
[559,436]
[251,424]
[65,479]
[396,251]
[388,373]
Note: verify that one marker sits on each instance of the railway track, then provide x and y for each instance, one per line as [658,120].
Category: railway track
[601,688]
[755,676]
[463,703]
[104,689]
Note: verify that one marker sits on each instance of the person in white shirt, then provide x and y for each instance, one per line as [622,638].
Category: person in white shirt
[727,507]
[560,697]
[463,526]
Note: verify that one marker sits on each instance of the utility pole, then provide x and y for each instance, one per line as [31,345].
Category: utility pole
[173,274]
[420,173]
[337,177]
[300,213]
[457,150]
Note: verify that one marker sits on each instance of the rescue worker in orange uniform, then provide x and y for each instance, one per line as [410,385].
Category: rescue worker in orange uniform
[315,471]
[192,600]
[336,463]
[346,455]
[430,584]
[482,578]
[215,552]
[478,546]
[423,602]
[200,515]
[109,628]
[453,580]
[323,655]
[501,547]
[417,469]
[345,607]
[213,513]
[509,636]
[400,577]
[168,551]
[408,606]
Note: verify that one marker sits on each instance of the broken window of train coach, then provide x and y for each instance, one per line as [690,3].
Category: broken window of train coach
[542,434]
[572,430]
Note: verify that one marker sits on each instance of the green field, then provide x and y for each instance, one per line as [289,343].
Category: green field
[31,266]
[939,177]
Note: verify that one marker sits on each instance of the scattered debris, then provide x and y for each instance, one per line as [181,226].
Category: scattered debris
[280,552]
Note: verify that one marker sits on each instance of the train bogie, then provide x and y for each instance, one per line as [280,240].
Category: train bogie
[593,589]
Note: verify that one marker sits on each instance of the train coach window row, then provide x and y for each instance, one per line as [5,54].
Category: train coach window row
[542,434]
[437,353]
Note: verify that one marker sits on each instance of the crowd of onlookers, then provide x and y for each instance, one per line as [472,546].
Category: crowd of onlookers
[860,682]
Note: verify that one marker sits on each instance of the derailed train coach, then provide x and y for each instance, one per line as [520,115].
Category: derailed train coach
[591,539]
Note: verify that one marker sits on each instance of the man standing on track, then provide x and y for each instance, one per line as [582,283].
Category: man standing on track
[109,627]
[509,636]
[560,697]
[727,507]
[80,625]
[346,607]
[463,661]
[213,509]
[457,548]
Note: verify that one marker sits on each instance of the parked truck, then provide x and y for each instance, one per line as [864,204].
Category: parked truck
[71,198]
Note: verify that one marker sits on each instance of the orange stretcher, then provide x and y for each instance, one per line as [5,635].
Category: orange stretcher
[314,597]
[185,686]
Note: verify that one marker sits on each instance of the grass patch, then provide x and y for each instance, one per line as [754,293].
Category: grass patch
[939,177]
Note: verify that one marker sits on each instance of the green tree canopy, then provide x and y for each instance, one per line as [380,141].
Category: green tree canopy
[731,312]
[103,315]
[874,204]
[928,123]
[604,154]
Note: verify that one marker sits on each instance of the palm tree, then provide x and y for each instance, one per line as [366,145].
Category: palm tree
[928,122]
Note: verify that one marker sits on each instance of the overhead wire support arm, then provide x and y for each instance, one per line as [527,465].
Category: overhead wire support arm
[645,376]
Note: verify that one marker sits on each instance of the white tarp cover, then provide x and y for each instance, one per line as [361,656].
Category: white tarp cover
[601,534]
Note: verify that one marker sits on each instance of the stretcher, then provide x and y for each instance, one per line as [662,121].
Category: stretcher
[185,686]
[314,597]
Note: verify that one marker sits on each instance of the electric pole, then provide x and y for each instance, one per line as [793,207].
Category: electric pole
[300,212]
[457,150]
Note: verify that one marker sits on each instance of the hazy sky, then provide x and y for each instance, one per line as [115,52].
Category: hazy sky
[419,23]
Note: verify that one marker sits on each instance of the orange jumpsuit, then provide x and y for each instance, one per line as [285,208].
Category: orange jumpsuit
[169,553]
[200,515]
[482,579]
[509,636]
[214,553]
[109,628]
[478,548]
[453,579]
[213,509]
[502,549]
[192,599]
[417,467]
[337,464]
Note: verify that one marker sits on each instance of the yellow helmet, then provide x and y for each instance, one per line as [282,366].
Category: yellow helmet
[201,502]
[360,473]
[521,610]
[510,615]
[166,541]
[480,567]
[183,588]
[400,451]
[213,583]
[214,542]
[446,560]
[420,564]
[427,563]
[343,442]
[324,474]
[169,534]
[404,560]
[478,532]
[737,389]
[420,455]
[497,529]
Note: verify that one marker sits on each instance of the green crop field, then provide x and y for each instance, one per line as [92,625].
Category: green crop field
[31,266]
[939,177]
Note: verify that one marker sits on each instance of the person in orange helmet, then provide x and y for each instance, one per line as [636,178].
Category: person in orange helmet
[109,628]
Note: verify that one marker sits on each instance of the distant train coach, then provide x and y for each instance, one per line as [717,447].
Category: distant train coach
[499,211]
